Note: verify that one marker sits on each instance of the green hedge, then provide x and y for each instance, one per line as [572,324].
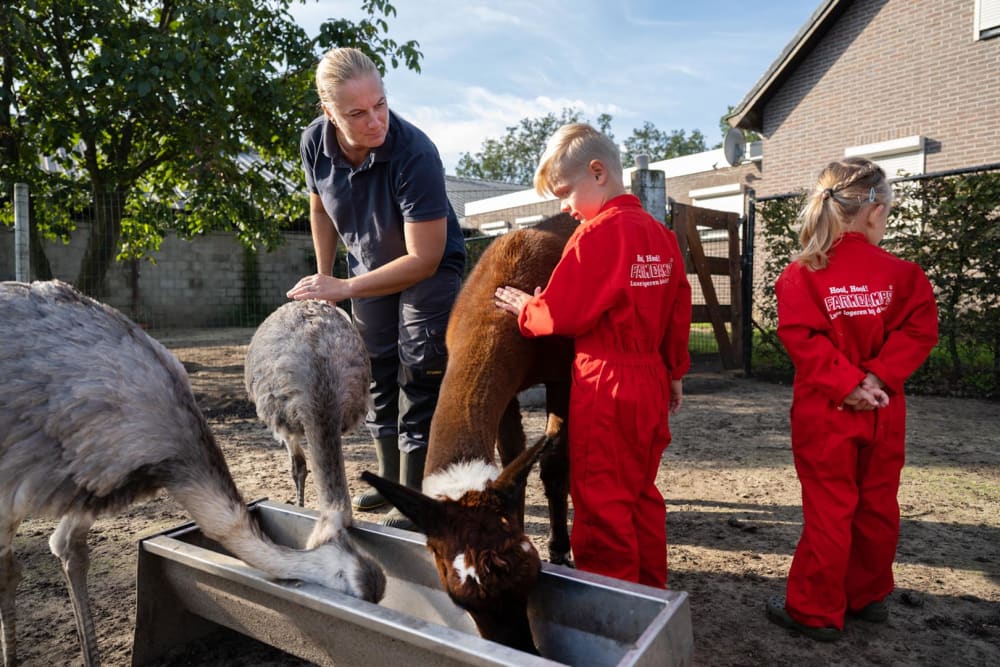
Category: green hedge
[949,225]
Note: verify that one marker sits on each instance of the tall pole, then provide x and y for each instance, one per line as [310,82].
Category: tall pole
[650,186]
[746,280]
[22,235]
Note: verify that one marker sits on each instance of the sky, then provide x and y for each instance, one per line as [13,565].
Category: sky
[488,64]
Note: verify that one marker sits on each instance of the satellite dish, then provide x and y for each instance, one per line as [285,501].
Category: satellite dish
[734,146]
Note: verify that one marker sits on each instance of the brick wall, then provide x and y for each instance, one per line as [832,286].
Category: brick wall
[746,174]
[545,208]
[887,69]
[677,187]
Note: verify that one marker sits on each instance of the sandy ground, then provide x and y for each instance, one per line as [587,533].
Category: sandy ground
[733,521]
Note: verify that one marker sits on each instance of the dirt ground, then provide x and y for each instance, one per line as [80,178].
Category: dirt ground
[733,521]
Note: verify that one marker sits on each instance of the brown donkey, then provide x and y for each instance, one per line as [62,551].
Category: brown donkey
[472,512]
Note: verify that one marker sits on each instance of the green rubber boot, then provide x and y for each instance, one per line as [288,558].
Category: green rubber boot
[387,451]
[411,474]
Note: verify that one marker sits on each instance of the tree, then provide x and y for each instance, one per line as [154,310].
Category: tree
[660,145]
[513,158]
[161,101]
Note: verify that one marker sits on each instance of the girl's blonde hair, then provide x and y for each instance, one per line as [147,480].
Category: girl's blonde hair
[570,150]
[842,189]
[339,65]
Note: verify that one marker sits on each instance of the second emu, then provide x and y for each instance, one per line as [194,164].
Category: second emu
[307,372]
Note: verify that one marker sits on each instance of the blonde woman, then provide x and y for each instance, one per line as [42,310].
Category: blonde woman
[856,321]
[377,183]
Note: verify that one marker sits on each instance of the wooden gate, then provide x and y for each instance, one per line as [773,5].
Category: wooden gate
[688,221]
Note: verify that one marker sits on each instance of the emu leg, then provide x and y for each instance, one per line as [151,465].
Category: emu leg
[10,575]
[299,469]
[554,471]
[69,544]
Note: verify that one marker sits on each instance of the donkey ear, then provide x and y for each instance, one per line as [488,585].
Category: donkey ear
[514,477]
[424,511]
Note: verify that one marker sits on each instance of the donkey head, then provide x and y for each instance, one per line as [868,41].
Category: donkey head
[486,563]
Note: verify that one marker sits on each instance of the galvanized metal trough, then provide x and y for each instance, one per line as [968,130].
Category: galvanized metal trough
[188,586]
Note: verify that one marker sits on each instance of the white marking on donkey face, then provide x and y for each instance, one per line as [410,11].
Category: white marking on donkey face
[459,478]
[462,571]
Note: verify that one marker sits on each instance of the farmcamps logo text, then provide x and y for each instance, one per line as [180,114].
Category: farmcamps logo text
[856,300]
[648,271]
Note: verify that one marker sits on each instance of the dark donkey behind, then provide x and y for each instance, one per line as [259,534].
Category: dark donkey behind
[472,514]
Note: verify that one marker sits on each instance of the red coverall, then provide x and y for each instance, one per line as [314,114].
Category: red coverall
[867,311]
[620,291]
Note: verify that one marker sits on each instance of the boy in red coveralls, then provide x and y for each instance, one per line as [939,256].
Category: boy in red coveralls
[621,292]
[856,321]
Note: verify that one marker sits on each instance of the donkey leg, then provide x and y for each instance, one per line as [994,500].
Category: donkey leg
[554,471]
[511,440]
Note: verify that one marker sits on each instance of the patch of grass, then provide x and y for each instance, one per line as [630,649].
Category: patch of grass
[977,378]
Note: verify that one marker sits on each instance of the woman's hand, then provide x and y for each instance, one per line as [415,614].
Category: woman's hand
[320,286]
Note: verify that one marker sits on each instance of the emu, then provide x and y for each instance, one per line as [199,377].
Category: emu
[472,512]
[96,415]
[308,374]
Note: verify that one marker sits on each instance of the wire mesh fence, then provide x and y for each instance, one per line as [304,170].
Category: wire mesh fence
[204,278]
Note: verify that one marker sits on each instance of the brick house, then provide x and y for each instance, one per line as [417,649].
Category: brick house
[911,84]
[704,179]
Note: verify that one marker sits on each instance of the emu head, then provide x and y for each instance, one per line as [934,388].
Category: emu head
[486,563]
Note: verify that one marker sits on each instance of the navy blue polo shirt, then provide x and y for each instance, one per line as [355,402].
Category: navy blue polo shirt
[401,181]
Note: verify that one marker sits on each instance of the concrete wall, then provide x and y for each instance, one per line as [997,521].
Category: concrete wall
[192,284]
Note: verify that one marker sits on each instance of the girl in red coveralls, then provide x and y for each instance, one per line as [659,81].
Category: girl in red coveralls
[856,321]
[621,292]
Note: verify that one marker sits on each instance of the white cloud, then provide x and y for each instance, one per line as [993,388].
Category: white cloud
[488,64]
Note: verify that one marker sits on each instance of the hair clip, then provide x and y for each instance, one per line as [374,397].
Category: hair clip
[871,195]
[827,193]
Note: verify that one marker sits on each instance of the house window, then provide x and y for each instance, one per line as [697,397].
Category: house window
[527,221]
[898,157]
[987,19]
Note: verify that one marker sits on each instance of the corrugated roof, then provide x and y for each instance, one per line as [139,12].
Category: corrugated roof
[460,190]
[464,190]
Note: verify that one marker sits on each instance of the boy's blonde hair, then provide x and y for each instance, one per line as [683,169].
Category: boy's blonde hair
[842,189]
[570,150]
[339,65]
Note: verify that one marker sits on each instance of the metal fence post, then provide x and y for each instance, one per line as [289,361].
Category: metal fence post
[746,280]
[22,234]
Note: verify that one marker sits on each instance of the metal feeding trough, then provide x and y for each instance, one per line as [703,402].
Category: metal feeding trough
[188,586]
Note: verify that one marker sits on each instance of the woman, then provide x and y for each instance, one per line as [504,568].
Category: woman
[377,183]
